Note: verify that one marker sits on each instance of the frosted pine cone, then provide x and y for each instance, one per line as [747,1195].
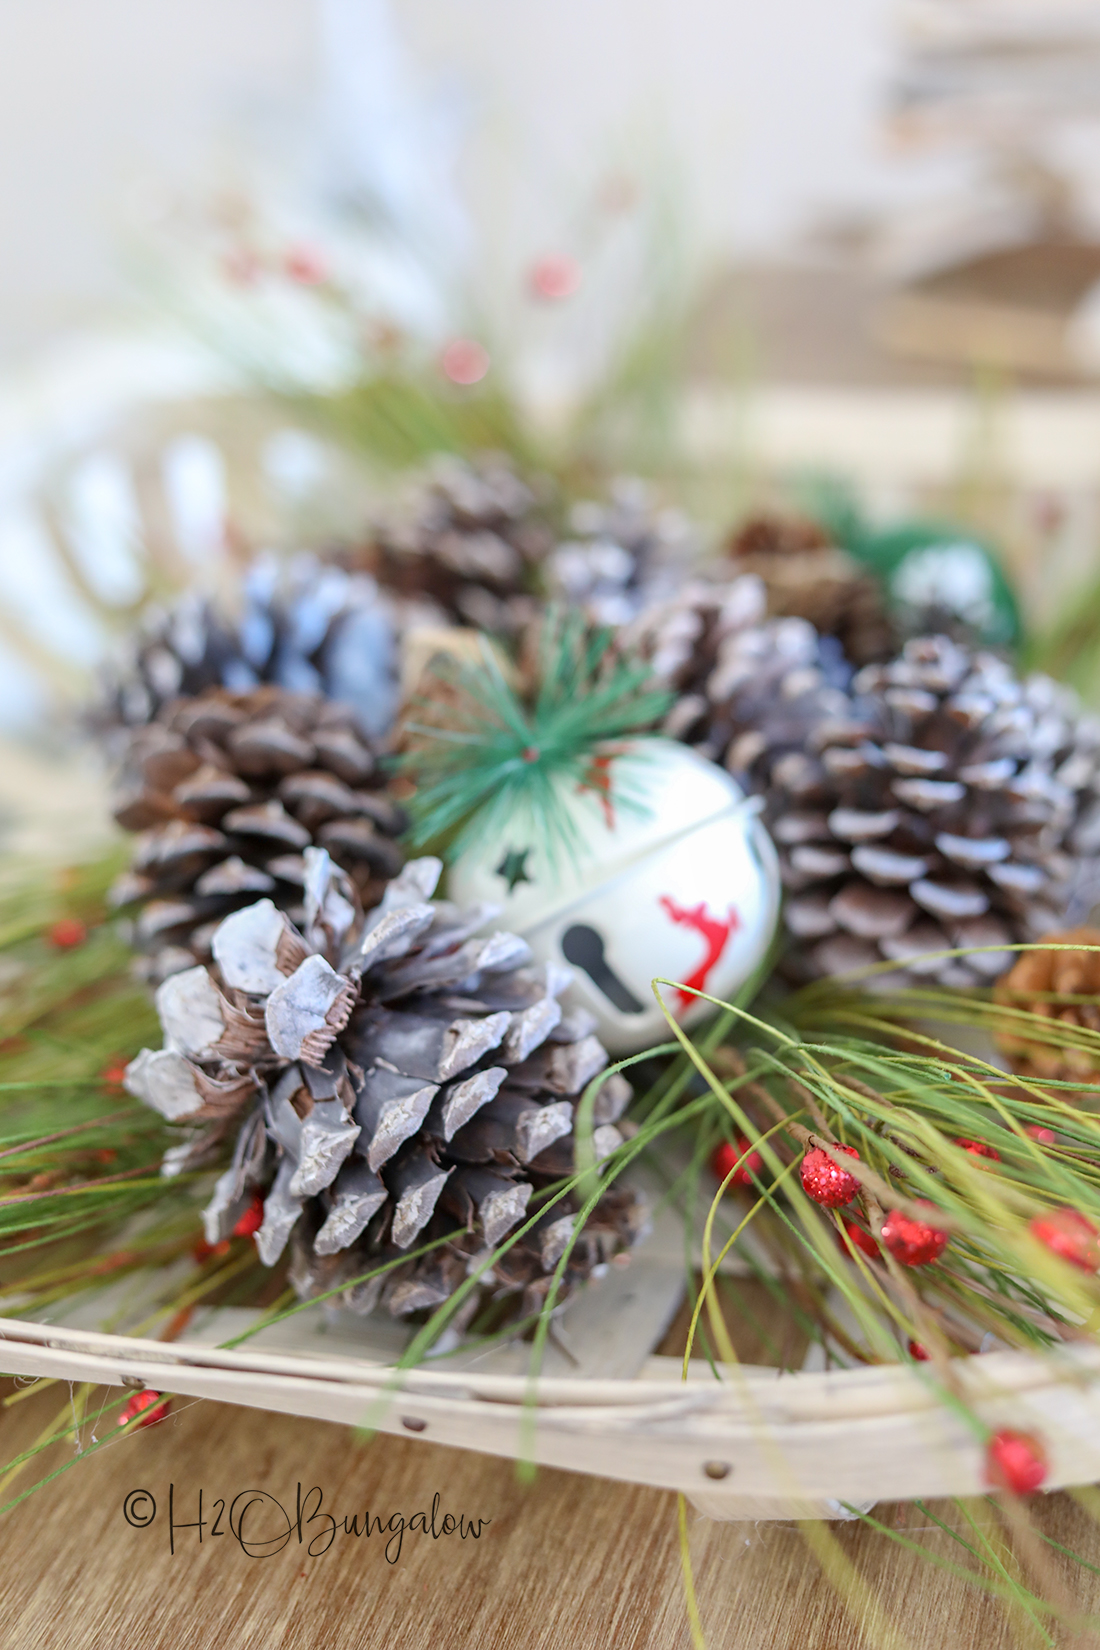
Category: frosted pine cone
[227,792]
[390,1080]
[684,635]
[306,627]
[764,689]
[623,556]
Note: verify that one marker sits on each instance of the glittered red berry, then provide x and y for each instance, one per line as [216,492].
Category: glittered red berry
[67,934]
[1068,1234]
[252,1219]
[148,1404]
[978,1148]
[1015,1461]
[727,1155]
[911,1241]
[825,1181]
[1045,1137]
[919,1352]
[859,1239]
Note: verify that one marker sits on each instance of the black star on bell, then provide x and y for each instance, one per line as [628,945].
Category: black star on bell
[513,867]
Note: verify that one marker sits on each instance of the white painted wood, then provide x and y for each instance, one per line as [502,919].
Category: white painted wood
[793,1445]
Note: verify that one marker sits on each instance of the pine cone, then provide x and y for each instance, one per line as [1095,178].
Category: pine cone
[623,556]
[750,689]
[808,577]
[937,803]
[468,544]
[1030,985]
[390,1080]
[685,635]
[228,791]
[307,627]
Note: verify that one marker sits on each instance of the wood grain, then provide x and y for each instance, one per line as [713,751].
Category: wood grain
[567,1561]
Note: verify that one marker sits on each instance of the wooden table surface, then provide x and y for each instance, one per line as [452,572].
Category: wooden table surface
[564,1562]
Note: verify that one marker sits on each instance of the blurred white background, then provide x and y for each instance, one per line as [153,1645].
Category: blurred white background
[767,114]
[430,153]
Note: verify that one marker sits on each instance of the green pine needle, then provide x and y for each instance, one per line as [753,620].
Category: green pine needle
[495,752]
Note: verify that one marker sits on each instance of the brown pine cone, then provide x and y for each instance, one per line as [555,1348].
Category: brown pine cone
[1035,984]
[227,791]
[807,577]
[466,546]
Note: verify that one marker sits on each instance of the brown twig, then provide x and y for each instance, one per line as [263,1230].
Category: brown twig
[63,1134]
[84,1186]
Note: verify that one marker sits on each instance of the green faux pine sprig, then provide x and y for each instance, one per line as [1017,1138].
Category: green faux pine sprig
[494,749]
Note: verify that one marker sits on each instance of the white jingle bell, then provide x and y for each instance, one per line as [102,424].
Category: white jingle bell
[674,878]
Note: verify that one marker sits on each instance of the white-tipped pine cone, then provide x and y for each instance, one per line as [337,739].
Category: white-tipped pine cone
[623,556]
[389,1080]
[938,803]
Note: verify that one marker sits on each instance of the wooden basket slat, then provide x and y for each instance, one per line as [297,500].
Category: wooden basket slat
[785,1445]
[794,1446]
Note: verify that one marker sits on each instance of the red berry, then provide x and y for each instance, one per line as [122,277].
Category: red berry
[1067,1233]
[726,1156]
[305,265]
[859,1239]
[825,1181]
[114,1072]
[148,1405]
[1045,1137]
[252,1219]
[203,1250]
[464,361]
[555,277]
[978,1148]
[913,1242]
[1015,1461]
[67,934]
[919,1352]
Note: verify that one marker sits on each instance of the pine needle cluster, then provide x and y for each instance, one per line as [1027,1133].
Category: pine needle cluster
[489,747]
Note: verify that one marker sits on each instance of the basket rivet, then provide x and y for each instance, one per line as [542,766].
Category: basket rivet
[717,1469]
[413,1424]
